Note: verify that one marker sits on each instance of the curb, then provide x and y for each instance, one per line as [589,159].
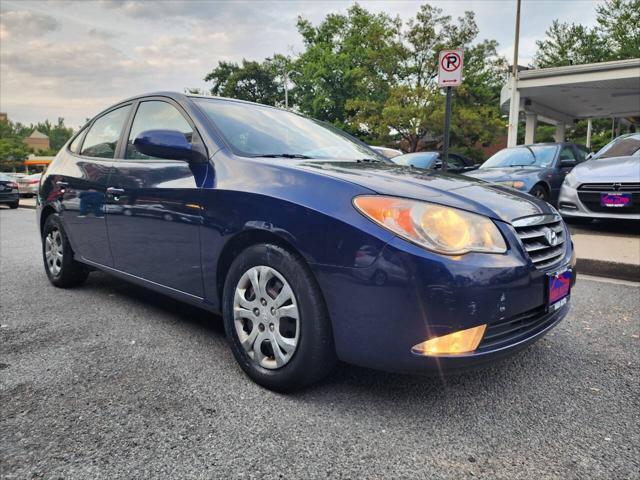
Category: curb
[28,207]
[602,268]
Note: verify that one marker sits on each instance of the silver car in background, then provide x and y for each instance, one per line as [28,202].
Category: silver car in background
[607,185]
[29,184]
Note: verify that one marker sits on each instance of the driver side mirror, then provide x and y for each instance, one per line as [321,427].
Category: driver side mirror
[568,163]
[168,144]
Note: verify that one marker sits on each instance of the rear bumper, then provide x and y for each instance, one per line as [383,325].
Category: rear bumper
[9,197]
[409,295]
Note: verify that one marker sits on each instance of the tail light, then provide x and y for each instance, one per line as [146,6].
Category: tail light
[13,184]
[33,182]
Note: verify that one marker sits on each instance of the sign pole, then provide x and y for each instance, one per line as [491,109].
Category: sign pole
[449,75]
[447,128]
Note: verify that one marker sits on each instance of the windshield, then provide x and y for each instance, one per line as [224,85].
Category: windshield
[254,131]
[621,147]
[4,178]
[420,160]
[529,156]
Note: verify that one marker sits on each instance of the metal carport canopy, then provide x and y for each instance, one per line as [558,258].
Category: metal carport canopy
[561,95]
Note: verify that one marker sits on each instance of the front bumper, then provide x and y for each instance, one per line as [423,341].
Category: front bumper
[570,206]
[409,295]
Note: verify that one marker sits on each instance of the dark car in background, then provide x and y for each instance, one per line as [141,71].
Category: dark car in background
[606,186]
[9,191]
[313,247]
[433,161]
[538,169]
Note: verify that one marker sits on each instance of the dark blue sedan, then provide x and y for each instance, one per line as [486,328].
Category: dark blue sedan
[538,169]
[313,247]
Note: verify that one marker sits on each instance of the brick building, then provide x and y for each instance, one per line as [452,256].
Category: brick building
[38,141]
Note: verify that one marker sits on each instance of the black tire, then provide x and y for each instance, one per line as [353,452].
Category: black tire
[71,273]
[540,192]
[15,204]
[314,356]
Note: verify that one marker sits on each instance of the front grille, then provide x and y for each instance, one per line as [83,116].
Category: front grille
[514,329]
[543,238]
[589,194]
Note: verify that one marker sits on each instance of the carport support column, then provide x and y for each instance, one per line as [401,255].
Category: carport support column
[589,127]
[514,111]
[530,128]
[560,130]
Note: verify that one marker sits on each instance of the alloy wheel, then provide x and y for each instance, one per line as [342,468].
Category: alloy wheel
[266,317]
[53,251]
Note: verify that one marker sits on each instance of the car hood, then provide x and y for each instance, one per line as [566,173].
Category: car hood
[505,174]
[615,169]
[447,189]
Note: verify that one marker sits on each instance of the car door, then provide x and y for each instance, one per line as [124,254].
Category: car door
[565,162]
[455,164]
[83,184]
[153,205]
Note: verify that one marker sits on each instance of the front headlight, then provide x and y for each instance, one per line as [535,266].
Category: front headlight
[571,180]
[517,184]
[435,227]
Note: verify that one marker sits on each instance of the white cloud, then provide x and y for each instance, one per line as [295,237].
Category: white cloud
[26,23]
[72,59]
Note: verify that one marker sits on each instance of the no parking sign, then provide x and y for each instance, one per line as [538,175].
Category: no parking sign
[450,68]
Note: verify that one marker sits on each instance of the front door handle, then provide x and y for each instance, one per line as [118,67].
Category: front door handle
[62,184]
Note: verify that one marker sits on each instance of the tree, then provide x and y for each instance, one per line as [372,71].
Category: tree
[414,109]
[12,149]
[348,57]
[252,81]
[616,36]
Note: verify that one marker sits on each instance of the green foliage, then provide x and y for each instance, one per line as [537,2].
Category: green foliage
[413,112]
[354,57]
[616,36]
[13,150]
[252,81]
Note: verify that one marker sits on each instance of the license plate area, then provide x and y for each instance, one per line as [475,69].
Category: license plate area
[558,288]
[615,200]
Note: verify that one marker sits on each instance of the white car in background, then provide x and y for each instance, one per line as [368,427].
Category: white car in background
[28,185]
[607,185]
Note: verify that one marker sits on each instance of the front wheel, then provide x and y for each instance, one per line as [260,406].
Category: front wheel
[540,192]
[61,268]
[15,204]
[276,320]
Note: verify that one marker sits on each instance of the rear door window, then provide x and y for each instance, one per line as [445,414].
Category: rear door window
[102,138]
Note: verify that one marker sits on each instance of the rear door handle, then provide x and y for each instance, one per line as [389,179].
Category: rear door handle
[62,184]
[115,191]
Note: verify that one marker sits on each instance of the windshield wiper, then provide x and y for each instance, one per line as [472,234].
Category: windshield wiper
[283,155]
[368,160]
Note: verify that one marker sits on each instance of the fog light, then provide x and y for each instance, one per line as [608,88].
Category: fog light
[462,341]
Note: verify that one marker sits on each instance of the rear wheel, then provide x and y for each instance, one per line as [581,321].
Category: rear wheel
[62,270]
[540,192]
[276,320]
[15,204]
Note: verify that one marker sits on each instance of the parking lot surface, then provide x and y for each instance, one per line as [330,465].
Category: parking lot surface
[112,381]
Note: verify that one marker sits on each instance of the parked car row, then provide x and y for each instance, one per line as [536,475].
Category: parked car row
[27,184]
[606,186]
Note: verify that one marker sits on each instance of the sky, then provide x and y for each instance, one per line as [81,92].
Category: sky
[71,59]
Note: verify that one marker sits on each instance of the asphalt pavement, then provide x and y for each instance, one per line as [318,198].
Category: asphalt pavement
[112,381]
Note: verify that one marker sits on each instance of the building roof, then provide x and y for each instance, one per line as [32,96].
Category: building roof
[37,134]
[594,90]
